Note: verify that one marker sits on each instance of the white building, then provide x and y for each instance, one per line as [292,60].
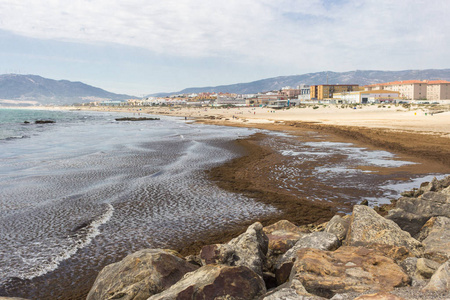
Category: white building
[363,97]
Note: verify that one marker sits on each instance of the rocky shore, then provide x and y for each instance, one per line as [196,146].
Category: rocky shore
[403,255]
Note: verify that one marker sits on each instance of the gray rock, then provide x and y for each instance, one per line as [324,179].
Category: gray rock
[249,249]
[436,239]
[412,213]
[426,267]
[440,281]
[139,275]
[367,227]
[291,290]
[216,282]
[338,226]
[318,240]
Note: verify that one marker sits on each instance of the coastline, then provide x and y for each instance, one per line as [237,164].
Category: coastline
[412,144]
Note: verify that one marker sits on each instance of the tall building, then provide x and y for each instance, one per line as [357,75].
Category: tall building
[408,89]
[438,90]
[324,91]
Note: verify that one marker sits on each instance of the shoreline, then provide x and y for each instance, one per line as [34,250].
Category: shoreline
[396,141]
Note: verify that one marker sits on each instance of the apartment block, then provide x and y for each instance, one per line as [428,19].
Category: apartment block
[438,90]
[408,89]
[324,91]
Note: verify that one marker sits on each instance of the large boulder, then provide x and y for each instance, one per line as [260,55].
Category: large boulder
[411,213]
[249,249]
[317,240]
[216,282]
[348,269]
[440,281]
[367,227]
[435,237]
[139,275]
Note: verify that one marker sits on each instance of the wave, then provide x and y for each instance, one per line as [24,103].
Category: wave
[81,236]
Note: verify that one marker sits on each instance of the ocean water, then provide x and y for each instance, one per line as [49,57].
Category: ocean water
[88,189]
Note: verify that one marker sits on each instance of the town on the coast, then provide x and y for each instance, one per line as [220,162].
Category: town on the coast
[407,91]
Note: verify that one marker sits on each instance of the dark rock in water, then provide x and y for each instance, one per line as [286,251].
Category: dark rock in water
[44,121]
[83,225]
[140,275]
[26,122]
[137,119]
[364,202]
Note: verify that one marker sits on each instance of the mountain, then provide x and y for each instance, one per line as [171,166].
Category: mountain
[352,77]
[33,89]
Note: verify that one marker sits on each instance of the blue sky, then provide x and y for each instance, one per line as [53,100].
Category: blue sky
[140,47]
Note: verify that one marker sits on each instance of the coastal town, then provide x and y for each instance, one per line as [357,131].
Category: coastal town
[408,91]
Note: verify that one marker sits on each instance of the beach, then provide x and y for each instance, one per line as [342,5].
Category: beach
[300,164]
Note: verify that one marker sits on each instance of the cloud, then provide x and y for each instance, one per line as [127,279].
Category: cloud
[308,33]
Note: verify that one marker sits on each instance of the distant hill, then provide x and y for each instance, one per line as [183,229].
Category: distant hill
[33,89]
[352,77]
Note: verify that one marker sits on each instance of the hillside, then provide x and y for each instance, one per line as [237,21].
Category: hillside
[33,89]
[352,77]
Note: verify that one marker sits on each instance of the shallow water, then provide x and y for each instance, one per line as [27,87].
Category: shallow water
[80,195]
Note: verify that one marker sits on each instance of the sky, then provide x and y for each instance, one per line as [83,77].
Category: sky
[139,47]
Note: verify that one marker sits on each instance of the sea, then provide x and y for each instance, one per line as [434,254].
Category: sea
[86,190]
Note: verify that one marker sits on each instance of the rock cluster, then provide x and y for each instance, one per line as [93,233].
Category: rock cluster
[404,255]
[361,256]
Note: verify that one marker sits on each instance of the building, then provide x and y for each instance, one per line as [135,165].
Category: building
[363,97]
[305,93]
[324,91]
[408,89]
[268,98]
[229,100]
[438,90]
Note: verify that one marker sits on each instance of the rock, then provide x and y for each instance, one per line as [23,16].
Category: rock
[11,298]
[291,290]
[367,227]
[348,269]
[282,236]
[44,122]
[426,267]
[409,265]
[194,259]
[412,213]
[436,239]
[364,202]
[139,275]
[285,226]
[440,281]
[216,282]
[338,226]
[407,221]
[317,240]
[379,296]
[396,253]
[249,249]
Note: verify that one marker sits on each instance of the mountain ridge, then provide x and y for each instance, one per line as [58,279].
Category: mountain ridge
[17,88]
[361,77]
